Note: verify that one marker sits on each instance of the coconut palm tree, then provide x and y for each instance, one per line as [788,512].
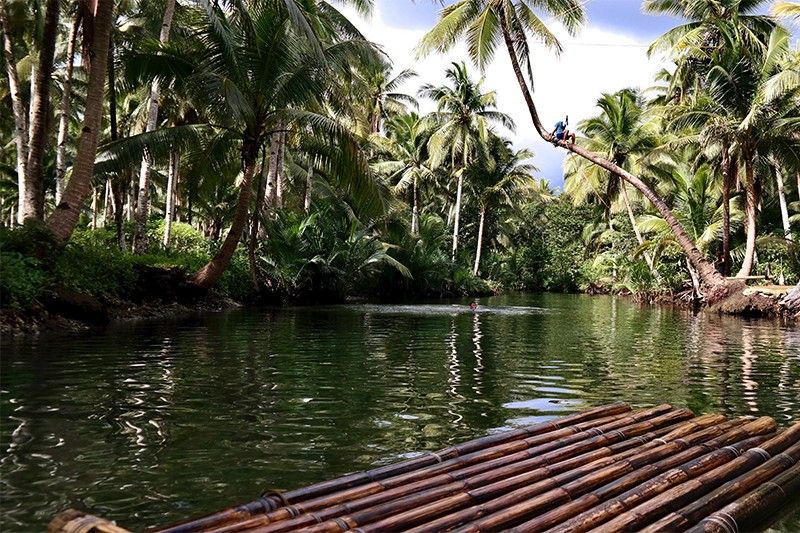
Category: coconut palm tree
[486,24]
[383,91]
[462,120]
[253,71]
[403,157]
[498,182]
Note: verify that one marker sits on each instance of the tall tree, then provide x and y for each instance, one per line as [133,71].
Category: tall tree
[143,198]
[462,120]
[65,217]
[487,23]
[64,108]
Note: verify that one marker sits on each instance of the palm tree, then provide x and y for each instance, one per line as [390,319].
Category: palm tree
[697,198]
[462,121]
[786,8]
[623,134]
[253,70]
[499,181]
[65,217]
[383,91]
[486,24]
[143,199]
[404,157]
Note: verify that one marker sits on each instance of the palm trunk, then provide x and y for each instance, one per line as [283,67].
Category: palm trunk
[108,203]
[63,221]
[18,109]
[269,187]
[457,214]
[279,167]
[728,169]
[415,208]
[309,188]
[169,209]
[750,210]
[481,222]
[255,221]
[709,275]
[787,229]
[40,110]
[64,111]
[94,208]
[636,231]
[210,274]
[118,184]
[143,201]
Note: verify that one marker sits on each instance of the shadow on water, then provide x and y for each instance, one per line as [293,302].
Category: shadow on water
[149,423]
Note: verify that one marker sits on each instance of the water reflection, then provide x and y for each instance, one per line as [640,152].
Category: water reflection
[148,423]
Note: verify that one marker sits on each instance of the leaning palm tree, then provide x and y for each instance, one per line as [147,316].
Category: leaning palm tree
[462,120]
[625,135]
[498,182]
[254,69]
[487,24]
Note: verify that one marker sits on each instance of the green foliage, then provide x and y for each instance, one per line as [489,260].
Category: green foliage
[21,279]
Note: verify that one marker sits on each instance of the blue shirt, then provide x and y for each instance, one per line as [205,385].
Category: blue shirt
[560,127]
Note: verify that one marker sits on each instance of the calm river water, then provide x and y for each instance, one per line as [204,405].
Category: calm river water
[154,422]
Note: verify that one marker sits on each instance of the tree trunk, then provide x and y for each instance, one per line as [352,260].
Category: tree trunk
[269,186]
[143,201]
[94,208]
[64,111]
[63,221]
[481,222]
[18,109]
[708,274]
[457,215]
[279,167]
[210,274]
[728,169]
[636,231]
[750,211]
[415,208]
[255,221]
[169,209]
[40,111]
[695,281]
[309,188]
[787,229]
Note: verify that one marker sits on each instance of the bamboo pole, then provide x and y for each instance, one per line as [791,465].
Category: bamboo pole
[730,491]
[516,507]
[558,452]
[387,503]
[755,509]
[678,496]
[73,521]
[269,503]
[497,458]
[603,499]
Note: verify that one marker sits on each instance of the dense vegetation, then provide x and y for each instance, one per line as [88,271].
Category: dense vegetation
[265,148]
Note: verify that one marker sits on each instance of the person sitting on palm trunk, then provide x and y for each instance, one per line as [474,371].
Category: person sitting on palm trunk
[561,132]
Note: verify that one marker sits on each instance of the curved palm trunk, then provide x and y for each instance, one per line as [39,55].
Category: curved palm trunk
[143,200]
[64,110]
[40,110]
[209,275]
[18,109]
[64,219]
[481,222]
[750,211]
[709,275]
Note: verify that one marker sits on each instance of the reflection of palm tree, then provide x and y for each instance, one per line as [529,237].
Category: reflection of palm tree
[477,351]
[748,359]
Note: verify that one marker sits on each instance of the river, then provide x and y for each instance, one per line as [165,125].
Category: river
[149,423]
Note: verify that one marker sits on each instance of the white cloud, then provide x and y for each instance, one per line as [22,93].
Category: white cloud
[595,62]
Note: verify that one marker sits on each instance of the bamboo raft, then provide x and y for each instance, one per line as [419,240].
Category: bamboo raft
[606,469]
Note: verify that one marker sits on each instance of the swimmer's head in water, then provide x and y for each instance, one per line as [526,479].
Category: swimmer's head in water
[473,305]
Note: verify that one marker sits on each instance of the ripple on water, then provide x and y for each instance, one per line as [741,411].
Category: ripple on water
[150,423]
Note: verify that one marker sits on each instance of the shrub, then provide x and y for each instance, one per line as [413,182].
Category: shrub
[21,279]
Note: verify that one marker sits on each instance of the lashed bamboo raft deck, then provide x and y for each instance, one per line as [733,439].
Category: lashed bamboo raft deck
[606,469]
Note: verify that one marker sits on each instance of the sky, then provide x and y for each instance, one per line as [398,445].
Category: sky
[609,54]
